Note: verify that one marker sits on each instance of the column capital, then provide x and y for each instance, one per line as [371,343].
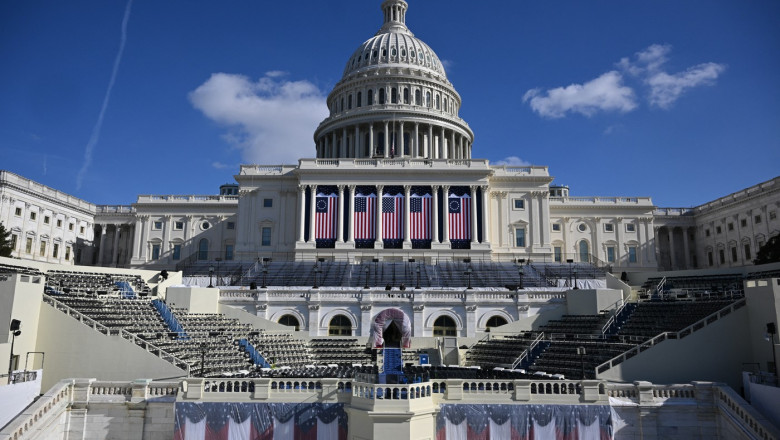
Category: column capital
[352,188]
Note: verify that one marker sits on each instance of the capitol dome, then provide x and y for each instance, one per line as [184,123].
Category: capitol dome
[393,101]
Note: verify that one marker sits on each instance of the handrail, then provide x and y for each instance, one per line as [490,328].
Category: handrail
[124,334]
[660,285]
[614,316]
[698,325]
[527,351]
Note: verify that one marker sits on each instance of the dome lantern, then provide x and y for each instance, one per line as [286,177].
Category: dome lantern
[395,16]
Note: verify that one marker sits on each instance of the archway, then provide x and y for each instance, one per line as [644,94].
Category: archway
[584,252]
[495,321]
[391,321]
[290,321]
[444,326]
[340,325]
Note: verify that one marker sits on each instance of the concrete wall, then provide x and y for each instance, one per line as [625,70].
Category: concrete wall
[532,319]
[592,301]
[194,299]
[715,353]
[75,350]
[246,317]
[20,298]
[763,304]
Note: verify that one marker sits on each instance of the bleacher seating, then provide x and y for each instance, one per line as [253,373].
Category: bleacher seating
[88,283]
[576,325]
[340,351]
[651,318]
[695,285]
[499,351]
[561,357]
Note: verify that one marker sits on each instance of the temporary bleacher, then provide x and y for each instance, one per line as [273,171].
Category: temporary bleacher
[500,351]
[89,283]
[339,351]
[653,317]
[576,325]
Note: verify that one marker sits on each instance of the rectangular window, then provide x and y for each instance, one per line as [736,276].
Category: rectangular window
[747,251]
[155,252]
[18,212]
[266,240]
[46,220]
[176,252]
[772,215]
[632,254]
[178,226]
[609,227]
[33,215]
[630,227]
[520,237]
[722,256]
[743,223]
[709,259]
[519,204]
[228,252]
[556,227]
[611,254]
[718,230]
[28,245]
[757,219]
[733,254]
[731,226]
[14,239]
[231,225]
[42,249]
[81,230]
[59,222]
[70,226]
[706,232]
[558,254]
[55,251]
[157,225]
[268,203]
[67,252]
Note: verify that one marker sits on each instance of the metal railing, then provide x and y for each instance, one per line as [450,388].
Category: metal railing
[124,334]
[696,326]
[527,352]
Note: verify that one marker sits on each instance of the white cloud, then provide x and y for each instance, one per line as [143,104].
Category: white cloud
[605,93]
[666,88]
[512,161]
[271,120]
[220,166]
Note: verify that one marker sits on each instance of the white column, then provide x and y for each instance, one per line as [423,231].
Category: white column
[356,143]
[344,149]
[535,236]
[431,144]
[115,250]
[672,256]
[443,145]
[545,219]
[350,214]
[446,212]
[416,144]
[312,211]
[407,229]
[101,251]
[340,216]
[167,234]
[379,242]
[454,153]
[473,213]
[333,145]
[302,212]
[435,209]
[387,141]
[137,238]
[485,211]
[371,149]
[687,257]
[401,144]
[144,227]
[462,150]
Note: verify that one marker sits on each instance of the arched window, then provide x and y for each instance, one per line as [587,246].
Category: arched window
[370,97]
[444,326]
[495,321]
[349,102]
[341,108]
[203,249]
[394,95]
[406,95]
[417,97]
[428,99]
[290,321]
[438,106]
[381,96]
[445,105]
[340,325]
[380,147]
[584,252]
[359,99]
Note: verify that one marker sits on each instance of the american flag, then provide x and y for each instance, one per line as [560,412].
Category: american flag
[392,217]
[325,219]
[420,217]
[365,217]
[460,217]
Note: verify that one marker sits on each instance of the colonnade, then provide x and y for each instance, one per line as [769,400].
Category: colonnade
[346,214]
[389,139]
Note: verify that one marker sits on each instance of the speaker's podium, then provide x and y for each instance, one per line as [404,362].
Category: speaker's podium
[391,368]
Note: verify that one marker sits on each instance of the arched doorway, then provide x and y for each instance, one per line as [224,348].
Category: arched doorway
[392,323]
[584,252]
[340,325]
[290,321]
[444,326]
[495,321]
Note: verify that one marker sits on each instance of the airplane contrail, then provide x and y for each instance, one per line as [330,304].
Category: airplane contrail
[93,139]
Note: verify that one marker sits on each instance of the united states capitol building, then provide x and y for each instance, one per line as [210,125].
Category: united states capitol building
[394,234]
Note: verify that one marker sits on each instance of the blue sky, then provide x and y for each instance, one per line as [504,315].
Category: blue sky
[675,100]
